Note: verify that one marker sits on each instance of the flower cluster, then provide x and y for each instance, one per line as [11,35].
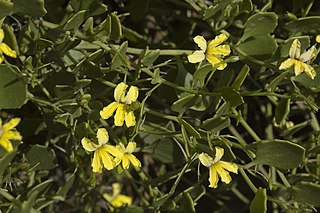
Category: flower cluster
[9,133]
[116,199]
[5,49]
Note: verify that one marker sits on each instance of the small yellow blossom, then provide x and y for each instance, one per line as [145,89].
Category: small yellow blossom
[8,133]
[5,49]
[103,153]
[127,157]
[212,52]
[116,199]
[124,111]
[318,39]
[298,60]
[218,168]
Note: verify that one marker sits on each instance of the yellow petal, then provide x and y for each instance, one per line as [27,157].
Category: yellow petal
[309,70]
[96,163]
[213,177]
[11,124]
[318,39]
[106,158]
[295,47]
[121,200]
[201,42]
[287,64]
[125,161]
[206,160]
[6,144]
[131,147]
[108,111]
[130,118]
[116,189]
[218,40]
[134,160]
[225,176]
[215,60]
[103,136]
[113,150]
[11,135]
[196,56]
[219,154]
[1,57]
[309,55]
[298,67]
[1,35]
[7,50]
[119,92]
[120,115]
[132,95]
[231,167]
[219,50]
[88,145]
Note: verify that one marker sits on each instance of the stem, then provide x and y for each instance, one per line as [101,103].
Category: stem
[246,126]
[247,179]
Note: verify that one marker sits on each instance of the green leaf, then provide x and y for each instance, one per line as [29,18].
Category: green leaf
[187,204]
[215,8]
[41,157]
[120,57]
[5,162]
[285,47]
[305,24]
[201,73]
[282,110]
[259,202]
[13,92]
[260,24]
[116,30]
[306,81]
[190,129]
[75,21]
[241,77]
[260,47]
[217,124]
[92,7]
[5,8]
[285,154]
[306,192]
[183,103]
[232,96]
[150,57]
[40,187]
[33,8]
[63,190]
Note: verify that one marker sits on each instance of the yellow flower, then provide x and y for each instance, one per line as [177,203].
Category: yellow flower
[103,153]
[127,157]
[124,111]
[5,49]
[318,39]
[218,168]
[298,61]
[8,133]
[116,199]
[212,52]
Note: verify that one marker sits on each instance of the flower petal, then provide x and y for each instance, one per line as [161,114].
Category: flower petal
[131,147]
[113,150]
[125,162]
[134,160]
[108,111]
[11,124]
[121,200]
[129,117]
[298,67]
[103,136]
[219,50]
[1,57]
[6,144]
[96,163]
[201,42]
[231,167]
[219,154]
[213,177]
[225,176]
[218,40]
[106,158]
[120,115]
[287,64]
[132,95]
[206,159]
[309,55]
[309,70]
[215,60]
[196,56]
[88,145]
[1,35]
[318,39]
[7,50]
[295,47]
[119,92]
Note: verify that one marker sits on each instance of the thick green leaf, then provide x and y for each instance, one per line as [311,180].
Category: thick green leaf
[41,157]
[34,8]
[241,77]
[282,110]
[305,24]
[307,192]
[201,73]
[190,129]
[260,47]
[120,57]
[116,30]
[232,96]
[259,202]
[13,92]
[186,206]
[184,103]
[40,187]
[215,8]
[92,7]
[285,154]
[260,24]
[150,57]
[75,21]
[63,190]
[216,124]
[5,8]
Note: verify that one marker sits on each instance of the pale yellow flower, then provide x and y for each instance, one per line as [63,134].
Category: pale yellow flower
[218,168]
[213,52]
[8,133]
[299,60]
[124,111]
[103,153]
[116,199]
[318,39]
[127,157]
[5,49]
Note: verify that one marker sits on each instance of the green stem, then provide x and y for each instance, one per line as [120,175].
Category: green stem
[247,179]
[246,126]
